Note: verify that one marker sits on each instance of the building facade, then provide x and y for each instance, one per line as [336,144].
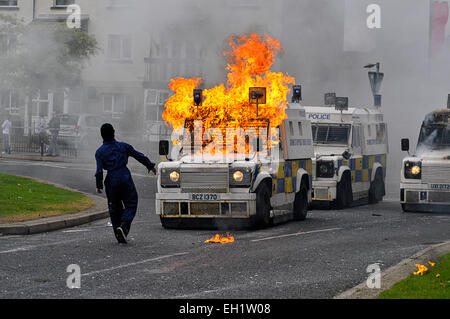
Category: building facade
[143,45]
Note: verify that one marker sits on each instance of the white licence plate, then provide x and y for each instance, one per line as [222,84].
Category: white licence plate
[205,197]
[440,186]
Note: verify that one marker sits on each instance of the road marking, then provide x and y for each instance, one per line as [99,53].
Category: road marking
[16,250]
[132,264]
[25,248]
[207,292]
[296,234]
[76,230]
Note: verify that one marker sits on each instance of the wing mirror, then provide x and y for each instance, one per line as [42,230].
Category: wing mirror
[346,155]
[405,144]
[164,147]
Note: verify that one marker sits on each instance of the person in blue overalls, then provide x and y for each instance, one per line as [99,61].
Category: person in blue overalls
[121,193]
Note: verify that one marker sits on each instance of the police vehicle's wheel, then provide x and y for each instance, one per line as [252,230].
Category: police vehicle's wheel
[344,196]
[376,188]
[301,204]
[262,218]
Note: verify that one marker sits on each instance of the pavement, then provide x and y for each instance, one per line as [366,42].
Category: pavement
[321,257]
[397,273]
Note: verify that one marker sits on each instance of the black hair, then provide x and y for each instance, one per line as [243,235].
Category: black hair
[107,132]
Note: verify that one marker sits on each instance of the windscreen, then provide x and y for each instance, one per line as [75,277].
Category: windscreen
[227,138]
[434,137]
[336,134]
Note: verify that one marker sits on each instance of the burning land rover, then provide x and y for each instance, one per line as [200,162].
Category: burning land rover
[240,154]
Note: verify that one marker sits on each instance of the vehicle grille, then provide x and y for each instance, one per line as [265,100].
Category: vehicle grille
[412,197]
[321,193]
[439,197]
[235,209]
[435,174]
[204,180]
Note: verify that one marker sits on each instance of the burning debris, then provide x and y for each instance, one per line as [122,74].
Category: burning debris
[219,239]
[421,269]
[228,106]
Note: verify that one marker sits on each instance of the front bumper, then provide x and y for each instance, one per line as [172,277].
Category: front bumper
[422,197]
[324,190]
[224,206]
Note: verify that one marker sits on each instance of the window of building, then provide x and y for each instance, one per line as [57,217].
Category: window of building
[3,45]
[7,45]
[154,104]
[8,3]
[155,72]
[119,47]
[40,104]
[300,129]
[63,3]
[9,100]
[116,104]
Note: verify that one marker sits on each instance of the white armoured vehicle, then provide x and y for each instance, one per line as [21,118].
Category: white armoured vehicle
[233,188]
[425,176]
[350,148]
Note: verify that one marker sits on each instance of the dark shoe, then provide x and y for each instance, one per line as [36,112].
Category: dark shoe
[121,237]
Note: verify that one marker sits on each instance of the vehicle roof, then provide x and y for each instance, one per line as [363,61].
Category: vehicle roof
[439,116]
[353,114]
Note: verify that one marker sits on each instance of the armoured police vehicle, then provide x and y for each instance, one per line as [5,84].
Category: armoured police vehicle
[425,176]
[350,148]
[272,184]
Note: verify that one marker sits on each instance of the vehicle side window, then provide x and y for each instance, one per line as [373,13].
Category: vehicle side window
[381,133]
[291,128]
[356,137]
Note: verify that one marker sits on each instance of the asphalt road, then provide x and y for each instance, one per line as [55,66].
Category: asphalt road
[317,258]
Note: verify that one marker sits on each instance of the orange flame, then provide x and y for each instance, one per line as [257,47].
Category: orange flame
[421,270]
[221,239]
[249,61]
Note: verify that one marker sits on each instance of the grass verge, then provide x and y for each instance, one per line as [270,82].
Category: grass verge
[433,284]
[23,199]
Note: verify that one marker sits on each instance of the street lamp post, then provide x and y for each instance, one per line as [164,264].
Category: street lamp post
[375,79]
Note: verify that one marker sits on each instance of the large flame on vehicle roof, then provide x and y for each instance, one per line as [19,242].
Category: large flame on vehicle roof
[250,58]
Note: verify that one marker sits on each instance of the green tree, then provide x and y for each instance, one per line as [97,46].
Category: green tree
[42,55]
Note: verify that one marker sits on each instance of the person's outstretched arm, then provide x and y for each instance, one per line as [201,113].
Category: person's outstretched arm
[99,173]
[141,158]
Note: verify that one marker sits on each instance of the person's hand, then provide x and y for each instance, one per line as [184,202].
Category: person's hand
[99,191]
[153,170]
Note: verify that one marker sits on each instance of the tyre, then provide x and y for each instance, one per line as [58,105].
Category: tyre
[344,195]
[301,204]
[262,217]
[376,190]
